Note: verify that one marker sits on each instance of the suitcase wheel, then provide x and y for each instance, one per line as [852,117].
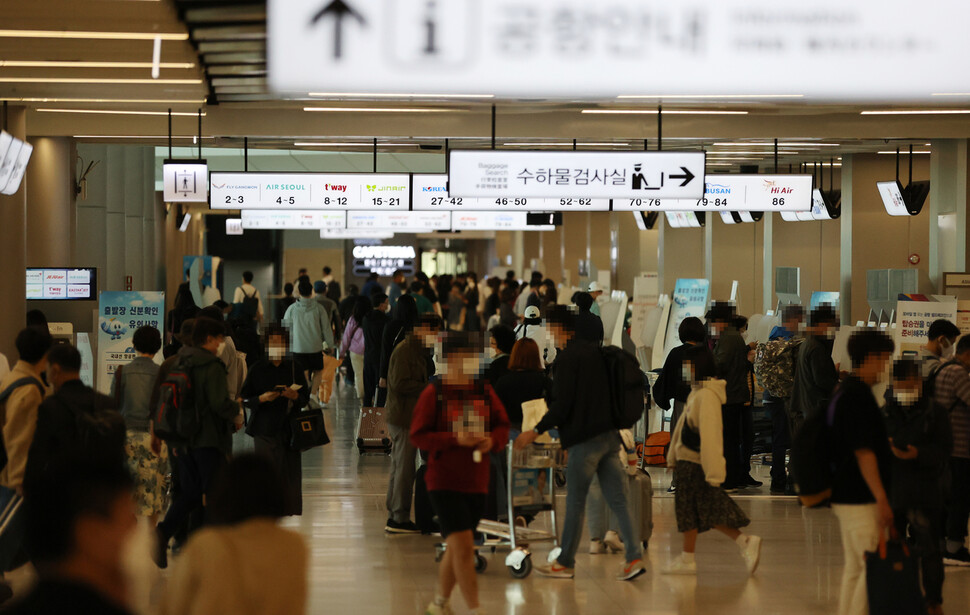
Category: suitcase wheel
[481,564]
[522,570]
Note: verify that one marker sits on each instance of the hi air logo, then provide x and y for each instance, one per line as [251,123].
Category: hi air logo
[335,187]
[296,187]
[55,277]
[375,188]
[433,189]
[773,188]
[716,189]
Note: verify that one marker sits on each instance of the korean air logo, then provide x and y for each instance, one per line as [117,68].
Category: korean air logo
[433,189]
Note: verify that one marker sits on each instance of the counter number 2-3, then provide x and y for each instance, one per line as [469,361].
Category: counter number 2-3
[234,199]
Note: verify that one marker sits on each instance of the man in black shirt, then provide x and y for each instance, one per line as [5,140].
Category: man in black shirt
[80,515]
[373,327]
[589,326]
[861,457]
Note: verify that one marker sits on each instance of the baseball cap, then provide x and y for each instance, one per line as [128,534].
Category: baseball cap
[532,312]
[594,287]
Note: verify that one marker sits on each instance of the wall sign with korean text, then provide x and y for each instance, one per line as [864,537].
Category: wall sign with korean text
[301,191]
[637,176]
[827,49]
[430,192]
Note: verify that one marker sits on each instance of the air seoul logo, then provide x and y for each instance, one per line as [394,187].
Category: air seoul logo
[772,187]
[287,187]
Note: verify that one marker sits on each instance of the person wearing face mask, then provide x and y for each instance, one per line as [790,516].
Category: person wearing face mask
[501,341]
[940,347]
[274,388]
[208,450]
[815,373]
[80,522]
[921,441]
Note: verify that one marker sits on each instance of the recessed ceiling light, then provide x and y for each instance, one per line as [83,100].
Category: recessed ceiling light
[904,152]
[97,80]
[655,96]
[128,36]
[919,112]
[46,64]
[120,112]
[372,95]
[665,112]
[376,110]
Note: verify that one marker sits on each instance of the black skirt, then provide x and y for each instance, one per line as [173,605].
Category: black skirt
[701,506]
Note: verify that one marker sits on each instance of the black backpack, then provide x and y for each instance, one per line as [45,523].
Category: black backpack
[812,463]
[250,304]
[626,386]
[4,396]
[176,417]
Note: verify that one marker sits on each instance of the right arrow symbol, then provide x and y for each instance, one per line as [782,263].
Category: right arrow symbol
[687,176]
[339,9]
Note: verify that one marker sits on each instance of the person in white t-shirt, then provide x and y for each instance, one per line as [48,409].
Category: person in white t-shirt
[533,329]
[248,291]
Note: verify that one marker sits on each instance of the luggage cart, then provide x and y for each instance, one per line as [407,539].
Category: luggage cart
[526,496]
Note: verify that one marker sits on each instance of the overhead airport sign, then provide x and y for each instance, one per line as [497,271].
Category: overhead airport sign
[302,191]
[293,220]
[430,193]
[780,193]
[495,221]
[829,49]
[14,156]
[523,174]
[185,182]
[399,221]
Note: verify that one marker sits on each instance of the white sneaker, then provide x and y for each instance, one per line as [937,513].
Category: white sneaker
[680,566]
[438,609]
[751,552]
[596,547]
[613,542]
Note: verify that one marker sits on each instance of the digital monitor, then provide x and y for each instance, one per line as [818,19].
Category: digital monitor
[552,218]
[892,198]
[916,193]
[52,284]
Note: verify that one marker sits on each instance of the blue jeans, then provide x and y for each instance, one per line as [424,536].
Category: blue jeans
[598,456]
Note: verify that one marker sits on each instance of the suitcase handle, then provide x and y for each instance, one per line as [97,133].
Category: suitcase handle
[893,536]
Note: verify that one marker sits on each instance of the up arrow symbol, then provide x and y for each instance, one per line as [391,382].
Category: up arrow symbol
[338,9]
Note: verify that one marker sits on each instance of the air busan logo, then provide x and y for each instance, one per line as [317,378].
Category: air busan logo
[716,189]
[773,188]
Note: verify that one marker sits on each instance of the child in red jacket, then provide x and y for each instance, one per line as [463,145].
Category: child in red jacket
[459,421]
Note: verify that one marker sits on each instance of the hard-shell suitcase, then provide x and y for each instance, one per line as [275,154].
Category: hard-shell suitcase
[639,504]
[372,433]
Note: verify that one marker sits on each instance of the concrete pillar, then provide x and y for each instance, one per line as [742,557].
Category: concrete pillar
[50,197]
[768,270]
[949,168]
[13,232]
[518,252]
[709,249]
[845,257]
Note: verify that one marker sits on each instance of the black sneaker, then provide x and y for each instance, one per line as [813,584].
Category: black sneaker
[777,489]
[393,527]
[749,481]
[960,558]
[729,488]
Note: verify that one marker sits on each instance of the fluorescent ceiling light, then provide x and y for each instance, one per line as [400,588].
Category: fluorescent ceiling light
[376,110]
[308,144]
[164,101]
[780,144]
[561,144]
[904,152]
[723,159]
[193,137]
[720,164]
[97,80]
[919,112]
[120,112]
[655,96]
[742,152]
[665,112]
[45,64]
[951,94]
[126,36]
[358,94]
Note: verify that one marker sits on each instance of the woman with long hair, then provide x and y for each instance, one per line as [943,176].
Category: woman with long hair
[353,340]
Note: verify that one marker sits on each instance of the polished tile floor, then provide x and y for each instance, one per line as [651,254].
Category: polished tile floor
[356,568]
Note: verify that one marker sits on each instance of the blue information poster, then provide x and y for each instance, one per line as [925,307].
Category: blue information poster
[119,315]
[824,298]
[690,298]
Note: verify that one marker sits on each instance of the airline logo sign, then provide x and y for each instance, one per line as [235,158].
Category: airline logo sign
[293,220]
[309,191]
[603,175]
[781,193]
[400,221]
[431,193]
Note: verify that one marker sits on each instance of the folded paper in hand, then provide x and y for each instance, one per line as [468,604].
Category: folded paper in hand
[532,412]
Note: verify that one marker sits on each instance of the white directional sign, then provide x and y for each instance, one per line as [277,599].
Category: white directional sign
[495,221]
[295,220]
[18,168]
[301,191]
[431,193]
[789,193]
[400,221]
[234,226]
[344,233]
[550,174]
[185,182]
[829,49]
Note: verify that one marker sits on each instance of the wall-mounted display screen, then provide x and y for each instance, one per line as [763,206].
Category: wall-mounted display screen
[51,283]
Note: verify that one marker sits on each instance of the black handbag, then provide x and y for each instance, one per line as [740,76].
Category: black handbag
[892,579]
[307,430]
[266,423]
